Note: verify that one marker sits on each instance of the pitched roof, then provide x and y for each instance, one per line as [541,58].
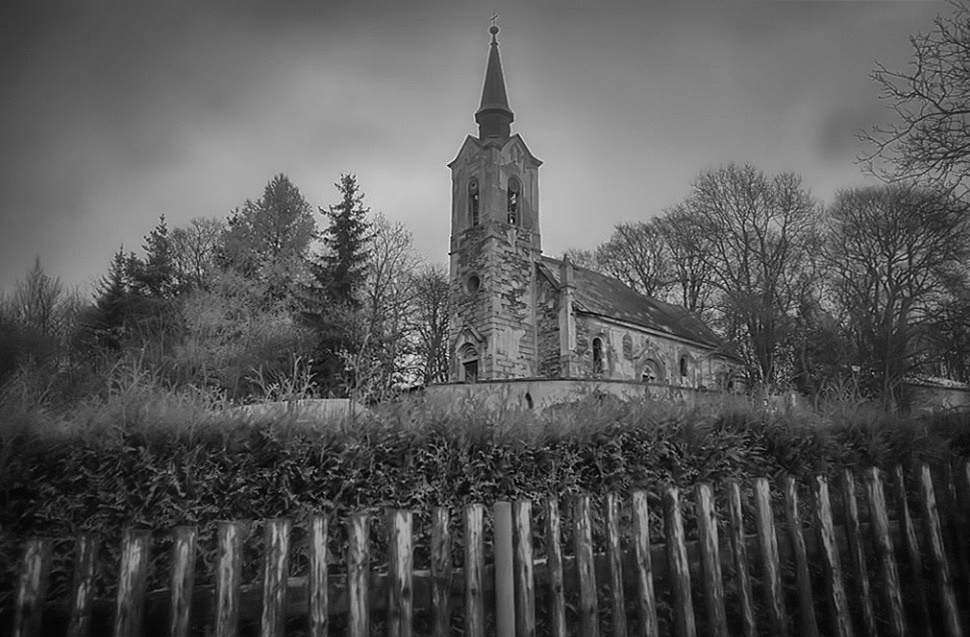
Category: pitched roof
[605,296]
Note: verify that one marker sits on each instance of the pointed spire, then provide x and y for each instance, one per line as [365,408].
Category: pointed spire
[494,116]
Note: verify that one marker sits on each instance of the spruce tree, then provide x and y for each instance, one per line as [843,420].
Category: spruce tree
[343,265]
[331,301]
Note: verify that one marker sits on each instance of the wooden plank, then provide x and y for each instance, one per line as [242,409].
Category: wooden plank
[676,541]
[615,557]
[768,545]
[831,564]
[132,582]
[504,573]
[739,554]
[933,534]
[908,529]
[400,566]
[585,569]
[710,559]
[860,572]
[358,574]
[525,594]
[964,480]
[879,523]
[440,573]
[958,519]
[228,577]
[646,599]
[803,580]
[474,568]
[32,587]
[557,600]
[276,570]
[318,584]
[82,593]
[183,579]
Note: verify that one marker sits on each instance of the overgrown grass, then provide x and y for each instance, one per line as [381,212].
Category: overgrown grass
[140,453]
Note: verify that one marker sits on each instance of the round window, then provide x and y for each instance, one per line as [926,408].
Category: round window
[472,283]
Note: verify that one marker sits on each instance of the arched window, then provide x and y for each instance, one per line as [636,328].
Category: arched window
[473,201]
[683,365]
[515,197]
[597,356]
[651,372]
[468,359]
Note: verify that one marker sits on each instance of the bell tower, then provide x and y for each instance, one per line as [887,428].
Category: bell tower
[495,243]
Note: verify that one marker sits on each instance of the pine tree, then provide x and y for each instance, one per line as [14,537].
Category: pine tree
[331,302]
[114,295]
[343,267]
[155,275]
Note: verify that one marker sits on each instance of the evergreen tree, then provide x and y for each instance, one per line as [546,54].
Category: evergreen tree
[113,297]
[342,268]
[155,275]
[269,240]
[332,301]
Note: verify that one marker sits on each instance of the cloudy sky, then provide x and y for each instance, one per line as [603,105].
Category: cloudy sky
[112,114]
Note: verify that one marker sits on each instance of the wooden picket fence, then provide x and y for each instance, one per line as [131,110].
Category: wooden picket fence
[801,554]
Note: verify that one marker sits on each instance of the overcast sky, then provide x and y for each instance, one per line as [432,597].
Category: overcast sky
[114,113]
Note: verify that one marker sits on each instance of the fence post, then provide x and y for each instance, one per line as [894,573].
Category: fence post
[318,581]
[739,551]
[504,576]
[829,549]
[879,521]
[399,574]
[646,600]
[853,529]
[133,572]
[32,587]
[768,543]
[684,624]
[525,599]
[440,573]
[710,559]
[474,566]
[228,575]
[803,580]
[908,531]
[82,595]
[358,574]
[616,564]
[183,578]
[588,609]
[938,560]
[557,600]
[276,571]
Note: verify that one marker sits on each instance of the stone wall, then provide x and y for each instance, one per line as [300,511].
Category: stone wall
[629,353]
[538,394]
[547,329]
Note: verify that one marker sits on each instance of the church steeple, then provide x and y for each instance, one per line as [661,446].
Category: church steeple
[494,116]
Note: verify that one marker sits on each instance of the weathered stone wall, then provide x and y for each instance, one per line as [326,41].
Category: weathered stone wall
[627,353]
[547,329]
[538,394]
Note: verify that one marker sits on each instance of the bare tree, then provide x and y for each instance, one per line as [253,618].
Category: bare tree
[759,233]
[194,247]
[636,254]
[929,139]
[691,270]
[430,318]
[894,252]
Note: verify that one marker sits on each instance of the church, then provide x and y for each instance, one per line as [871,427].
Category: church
[518,316]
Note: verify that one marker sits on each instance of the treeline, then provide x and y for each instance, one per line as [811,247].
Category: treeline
[264,303]
[857,295]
